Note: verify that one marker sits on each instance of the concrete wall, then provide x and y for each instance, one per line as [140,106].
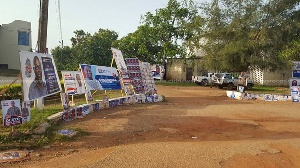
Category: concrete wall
[9,48]
[278,78]
[176,69]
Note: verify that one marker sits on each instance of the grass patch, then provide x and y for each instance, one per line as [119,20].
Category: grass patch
[175,83]
[270,90]
[29,141]
[9,72]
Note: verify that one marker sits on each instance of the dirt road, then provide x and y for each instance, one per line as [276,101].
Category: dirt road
[196,127]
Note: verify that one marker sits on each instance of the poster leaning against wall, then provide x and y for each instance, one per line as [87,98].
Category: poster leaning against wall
[39,75]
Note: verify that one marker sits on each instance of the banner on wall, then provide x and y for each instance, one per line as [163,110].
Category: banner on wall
[100,77]
[11,111]
[39,75]
[73,82]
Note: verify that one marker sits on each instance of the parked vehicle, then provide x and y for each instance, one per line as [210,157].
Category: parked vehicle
[229,81]
[202,80]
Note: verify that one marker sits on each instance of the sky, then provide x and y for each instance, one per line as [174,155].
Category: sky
[121,16]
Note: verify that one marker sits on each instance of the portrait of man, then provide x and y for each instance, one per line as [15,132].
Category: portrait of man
[38,86]
[13,110]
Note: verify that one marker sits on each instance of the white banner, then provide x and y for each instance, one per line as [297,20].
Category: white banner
[117,54]
[39,75]
[73,82]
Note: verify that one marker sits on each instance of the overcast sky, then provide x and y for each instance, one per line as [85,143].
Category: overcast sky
[122,16]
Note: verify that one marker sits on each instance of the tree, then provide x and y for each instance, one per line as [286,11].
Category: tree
[93,49]
[163,34]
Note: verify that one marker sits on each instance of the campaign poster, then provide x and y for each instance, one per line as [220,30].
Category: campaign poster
[157,71]
[147,77]
[88,73]
[134,70]
[25,111]
[117,54]
[108,78]
[65,101]
[39,75]
[296,69]
[11,111]
[73,82]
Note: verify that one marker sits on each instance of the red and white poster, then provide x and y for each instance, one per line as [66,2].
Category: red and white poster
[73,82]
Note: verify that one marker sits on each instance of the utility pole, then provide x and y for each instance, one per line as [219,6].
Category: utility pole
[43,25]
[42,40]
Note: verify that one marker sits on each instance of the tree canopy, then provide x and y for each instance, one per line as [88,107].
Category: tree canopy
[233,35]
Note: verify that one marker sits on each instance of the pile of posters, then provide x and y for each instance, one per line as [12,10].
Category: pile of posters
[133,67]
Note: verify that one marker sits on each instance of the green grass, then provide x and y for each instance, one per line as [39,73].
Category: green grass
[270,90]
[9,72]
[39,116]
[174,83]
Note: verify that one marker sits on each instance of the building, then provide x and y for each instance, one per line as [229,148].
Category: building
[179,69]
[14,37]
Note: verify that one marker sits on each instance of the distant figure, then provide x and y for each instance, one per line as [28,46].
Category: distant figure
[214,78]
[13,110]
[37,87]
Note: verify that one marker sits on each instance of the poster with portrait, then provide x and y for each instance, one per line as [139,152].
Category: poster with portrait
[39,75]
[88,73]
[73,82]
[11,112]
[134,71]
[25,111]
[147,77]
[108,78]
[100,77]
[158,71]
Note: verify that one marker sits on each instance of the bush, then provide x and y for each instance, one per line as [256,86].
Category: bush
[13,92]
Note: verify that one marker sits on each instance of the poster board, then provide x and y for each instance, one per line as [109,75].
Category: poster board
[73,82]
[134,71]
[11,112]
[148,79]
[123,72]
[100,77]
[39,75]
